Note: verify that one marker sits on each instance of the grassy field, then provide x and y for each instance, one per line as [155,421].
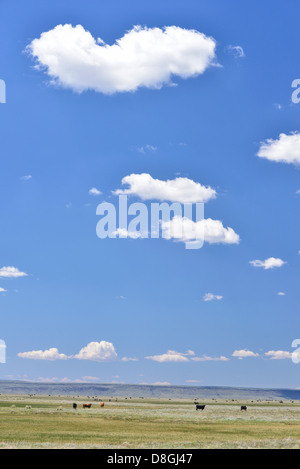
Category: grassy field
[50,422]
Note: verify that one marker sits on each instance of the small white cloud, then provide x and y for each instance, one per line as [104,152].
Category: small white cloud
[284,150]
[171,356]
[2,290]
[156,383]
[129,359]
[90,378]
[182,190]
[237,51]
[206,358]
[123,233]
[65,380]
[270,263]
[11,272]
[41,379]
[94,191]
[278,355]
[212,297]
[143,57]
[281,293]
[146,148]
[240,354]
[97,351]
[52,354]
[161,383]
[26,178]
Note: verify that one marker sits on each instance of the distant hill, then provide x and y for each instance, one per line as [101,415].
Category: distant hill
[147,391]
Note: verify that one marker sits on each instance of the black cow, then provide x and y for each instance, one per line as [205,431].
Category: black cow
[244,407]
[200,407]
[74,406]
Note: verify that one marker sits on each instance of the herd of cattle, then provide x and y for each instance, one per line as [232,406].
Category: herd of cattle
[198,406]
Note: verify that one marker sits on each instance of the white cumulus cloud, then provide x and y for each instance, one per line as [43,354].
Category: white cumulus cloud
[240,354]
[211,231]
[171,356]
[182,190]
[143,57]
[11,272]
[279,354]
[97,351]
[270,263]
[51,354]
[286,149]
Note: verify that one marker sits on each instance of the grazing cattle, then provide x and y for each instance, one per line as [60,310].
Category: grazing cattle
[74,406]
[102,404]
[196,403]
[244,407]
[200,407]
[86,406]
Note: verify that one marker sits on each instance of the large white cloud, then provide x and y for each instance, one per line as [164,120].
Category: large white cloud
[284,150]
[182,190]
[11,272]
[270,263]
[97,351]
[211,231]
[146,57]
[51,354]
[94,351]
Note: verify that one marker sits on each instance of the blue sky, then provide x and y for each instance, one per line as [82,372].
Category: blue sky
[145,297]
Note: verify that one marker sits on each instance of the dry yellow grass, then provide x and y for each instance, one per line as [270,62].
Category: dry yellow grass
[52,423]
